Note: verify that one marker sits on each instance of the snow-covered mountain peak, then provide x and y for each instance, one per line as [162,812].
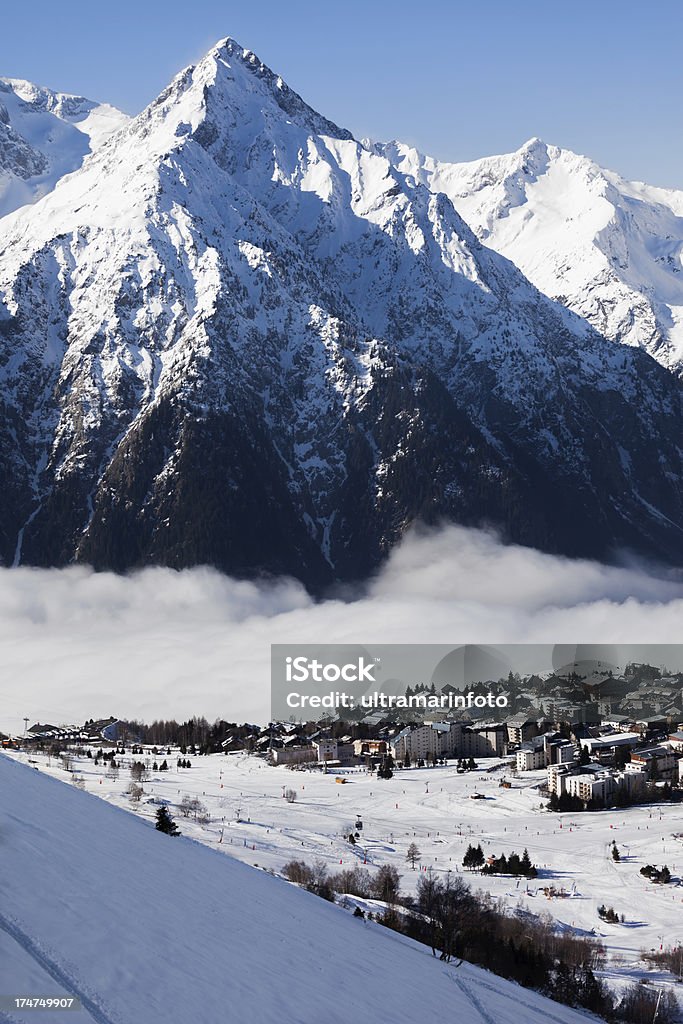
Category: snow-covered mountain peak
[230,90]
[234,298]
[609,249]
[45,135]
[233,56]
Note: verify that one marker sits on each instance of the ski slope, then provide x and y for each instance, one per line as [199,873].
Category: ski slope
[142,927]
[252,822]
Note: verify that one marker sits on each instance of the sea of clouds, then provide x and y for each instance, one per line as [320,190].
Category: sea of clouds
[77,644]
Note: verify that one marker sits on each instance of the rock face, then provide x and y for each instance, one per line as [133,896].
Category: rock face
[238,336]
[609,249]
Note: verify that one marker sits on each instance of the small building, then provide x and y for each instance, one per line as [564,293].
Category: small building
[364,748]
[653,724]
[620,723]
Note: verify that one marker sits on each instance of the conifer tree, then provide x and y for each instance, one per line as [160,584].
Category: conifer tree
[165,822]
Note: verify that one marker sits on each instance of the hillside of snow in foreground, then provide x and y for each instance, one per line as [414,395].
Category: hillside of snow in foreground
[97,904]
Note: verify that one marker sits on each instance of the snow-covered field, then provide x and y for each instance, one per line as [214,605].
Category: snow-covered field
[141,927]
[253,822]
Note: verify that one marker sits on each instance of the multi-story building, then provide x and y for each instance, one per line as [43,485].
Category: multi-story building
[594,782]
[326,748]
[589,786]
[544,750]
[449,739]
[521,728]
[531,757]
[661,762]
[490,740]
[424,742]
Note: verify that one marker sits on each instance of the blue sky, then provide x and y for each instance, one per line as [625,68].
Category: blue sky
[459,80]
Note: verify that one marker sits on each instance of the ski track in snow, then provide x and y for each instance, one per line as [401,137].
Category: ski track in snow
[476,1003]
[57,973]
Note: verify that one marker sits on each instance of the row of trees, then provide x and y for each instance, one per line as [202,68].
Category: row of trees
[504,865]
[511,865]
[660,875]
[457,923]
[610,914]
[670,959]
[356,881]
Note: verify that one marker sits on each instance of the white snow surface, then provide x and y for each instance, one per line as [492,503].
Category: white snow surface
[250,820]
[609,249]
[45,135]
[143,927]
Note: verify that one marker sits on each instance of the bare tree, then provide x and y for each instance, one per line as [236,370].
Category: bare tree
[387,884]
[445,905]
[355,881]
[192,806]
[139,772]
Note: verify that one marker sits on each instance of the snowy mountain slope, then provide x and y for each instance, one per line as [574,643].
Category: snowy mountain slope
[43,136]
[237,336]
[140,926]
[609,249]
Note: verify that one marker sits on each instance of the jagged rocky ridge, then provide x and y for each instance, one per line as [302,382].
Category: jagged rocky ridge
[238,336]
